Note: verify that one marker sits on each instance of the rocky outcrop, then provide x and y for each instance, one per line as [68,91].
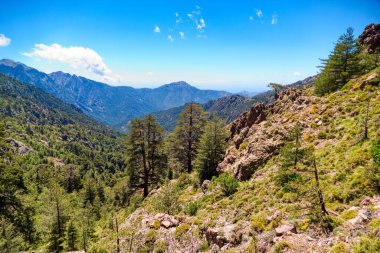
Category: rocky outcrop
[371,38]
[255,115]
[18,147]
[166,220]
[259,132]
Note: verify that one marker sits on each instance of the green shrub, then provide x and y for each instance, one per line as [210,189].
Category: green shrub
[322,135]
[228,183]
[375,151]
[340,247]
[368,245]
[151,235]
[192,208]
[161,246]
[280,247]
[181,229]
[349,214]
[166,200]
[204,246]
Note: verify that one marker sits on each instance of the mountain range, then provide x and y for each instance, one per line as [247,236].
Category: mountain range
[112,105]
[229,108]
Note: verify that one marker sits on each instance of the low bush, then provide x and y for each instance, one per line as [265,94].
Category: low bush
[227,183]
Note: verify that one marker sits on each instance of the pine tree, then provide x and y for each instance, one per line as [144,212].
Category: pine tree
[188,132]
[298,167]
[340,67]
[72,236]
[145,158]
[59,218]
[211,149]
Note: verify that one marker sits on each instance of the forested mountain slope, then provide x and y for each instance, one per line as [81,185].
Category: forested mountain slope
[55,165]
[105,103]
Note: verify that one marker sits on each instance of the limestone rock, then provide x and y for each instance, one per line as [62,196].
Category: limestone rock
[166,220]
[281,230]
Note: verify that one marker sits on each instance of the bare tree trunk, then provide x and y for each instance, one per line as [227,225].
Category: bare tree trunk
[117,236]
[320,194]
[84,240]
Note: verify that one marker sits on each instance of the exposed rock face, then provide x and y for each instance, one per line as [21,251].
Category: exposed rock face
[18,147]
[259,132]
[255,115]
[371,38]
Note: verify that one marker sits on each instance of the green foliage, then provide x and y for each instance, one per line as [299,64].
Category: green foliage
[145,156]
[340,67]
[211,149]
[181,229]
[192,208]
[228,183]
[160,246]
[187,134]
[375,151]
[349,214]
[340,247]
[280,247]
[166,200]
[72,237]
[368,244]
[292,155]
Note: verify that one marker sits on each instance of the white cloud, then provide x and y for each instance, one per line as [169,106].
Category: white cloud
[170,38]
[274,19]
[177,14]
[201,36]
[259,13]
[182,34]
[250,18]
[76,57]
[157,29]
[200,24]
[4,41]
[296,73]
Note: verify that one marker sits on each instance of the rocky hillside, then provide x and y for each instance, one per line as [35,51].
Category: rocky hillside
[108,104]
[260,216]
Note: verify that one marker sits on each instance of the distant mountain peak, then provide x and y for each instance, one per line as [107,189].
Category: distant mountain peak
[177,85]
[11,63]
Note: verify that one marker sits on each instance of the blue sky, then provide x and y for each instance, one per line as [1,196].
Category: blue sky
[225,44]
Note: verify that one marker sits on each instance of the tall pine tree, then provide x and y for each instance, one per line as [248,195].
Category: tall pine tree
[340,67]
[145,158]
[188,132]
[211,149]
